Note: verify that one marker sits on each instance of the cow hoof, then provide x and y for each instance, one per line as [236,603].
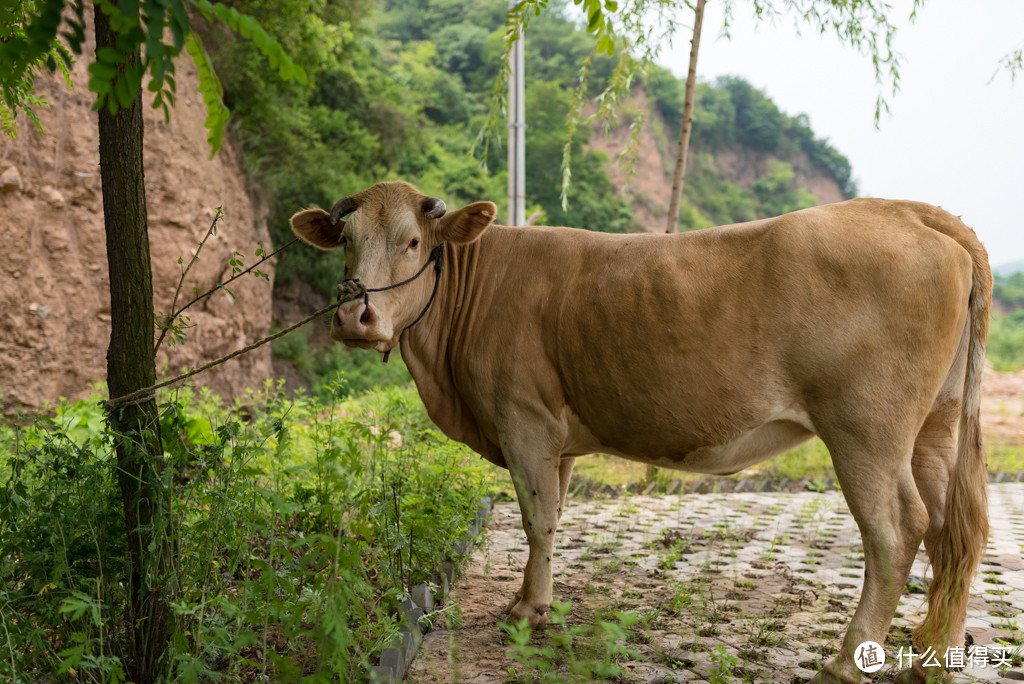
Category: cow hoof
[515,601]
[536,617]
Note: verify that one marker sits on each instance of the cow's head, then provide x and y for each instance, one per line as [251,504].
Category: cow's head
[388,236]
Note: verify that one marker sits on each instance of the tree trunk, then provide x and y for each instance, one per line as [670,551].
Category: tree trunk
[683,144]
[130,366]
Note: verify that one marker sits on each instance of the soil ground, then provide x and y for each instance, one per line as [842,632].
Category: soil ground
[768,579]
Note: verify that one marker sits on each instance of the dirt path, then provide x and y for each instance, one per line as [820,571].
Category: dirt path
[770,580]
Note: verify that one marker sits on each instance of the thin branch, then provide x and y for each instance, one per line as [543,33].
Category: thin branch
[218,286]
[181,281]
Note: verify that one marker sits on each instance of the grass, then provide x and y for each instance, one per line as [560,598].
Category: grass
[810,461]
[298,527]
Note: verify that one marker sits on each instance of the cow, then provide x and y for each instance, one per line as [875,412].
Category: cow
[862,322]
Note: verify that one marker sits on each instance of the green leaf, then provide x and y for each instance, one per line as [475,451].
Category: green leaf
[102,70]
[109,55]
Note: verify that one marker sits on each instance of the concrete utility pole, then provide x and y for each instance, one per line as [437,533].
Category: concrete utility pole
[516,136]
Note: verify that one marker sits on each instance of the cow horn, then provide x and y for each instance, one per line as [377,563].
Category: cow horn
[342,208]
[433,207]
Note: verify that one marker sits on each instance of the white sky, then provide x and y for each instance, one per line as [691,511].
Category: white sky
[951,139]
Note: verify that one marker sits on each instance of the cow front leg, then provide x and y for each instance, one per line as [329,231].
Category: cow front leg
[537,482]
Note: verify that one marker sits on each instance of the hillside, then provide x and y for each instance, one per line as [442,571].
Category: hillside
[54,301]
[733,170]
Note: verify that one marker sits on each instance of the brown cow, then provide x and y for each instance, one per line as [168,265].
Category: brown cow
[863,323]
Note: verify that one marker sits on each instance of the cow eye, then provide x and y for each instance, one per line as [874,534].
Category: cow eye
[414,244]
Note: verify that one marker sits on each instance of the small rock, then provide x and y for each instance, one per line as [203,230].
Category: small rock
[745,486]
[702,487]
[610,490]
[650,487]
[10,180]
[1020,476]
[39,310]
[766,486]
[52,195]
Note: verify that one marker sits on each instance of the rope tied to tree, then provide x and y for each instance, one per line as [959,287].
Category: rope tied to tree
[349,290]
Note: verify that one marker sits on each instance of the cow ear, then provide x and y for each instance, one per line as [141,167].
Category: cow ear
[466,224]
[315,227]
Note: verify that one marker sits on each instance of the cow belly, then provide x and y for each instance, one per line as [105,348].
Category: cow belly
[783,432]
[750,448]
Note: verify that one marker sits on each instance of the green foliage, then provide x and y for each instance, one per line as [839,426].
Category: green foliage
[1005,348]
[335,370]
[28,37]
[1009,290]
[298,527]
[777,190]
[150,34]
[732,111]
[572,652]
[759,122]
[593,202]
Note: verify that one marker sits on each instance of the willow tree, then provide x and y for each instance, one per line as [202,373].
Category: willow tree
[133,39]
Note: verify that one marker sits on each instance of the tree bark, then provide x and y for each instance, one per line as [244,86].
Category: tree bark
[130,366]
[683,143]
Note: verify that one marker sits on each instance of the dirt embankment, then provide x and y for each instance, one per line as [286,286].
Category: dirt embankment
[54,297]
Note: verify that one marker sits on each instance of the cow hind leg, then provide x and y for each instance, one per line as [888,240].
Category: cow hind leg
[935,456]
[879,486]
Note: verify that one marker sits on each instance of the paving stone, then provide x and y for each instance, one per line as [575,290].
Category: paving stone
[788,566]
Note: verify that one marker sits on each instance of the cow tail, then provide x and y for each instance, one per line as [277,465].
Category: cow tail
[964,535]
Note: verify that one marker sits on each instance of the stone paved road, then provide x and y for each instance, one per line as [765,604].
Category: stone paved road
[771,579]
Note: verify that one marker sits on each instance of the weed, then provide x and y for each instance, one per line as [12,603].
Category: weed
[572,653]
[722,673]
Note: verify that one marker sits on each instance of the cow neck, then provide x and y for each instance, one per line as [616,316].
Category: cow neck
[429,342]
[430,348]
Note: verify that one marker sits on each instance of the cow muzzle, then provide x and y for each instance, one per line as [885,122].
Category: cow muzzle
[359,324]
